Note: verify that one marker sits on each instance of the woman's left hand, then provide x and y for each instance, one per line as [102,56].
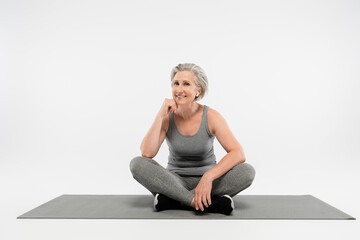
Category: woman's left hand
[203,193]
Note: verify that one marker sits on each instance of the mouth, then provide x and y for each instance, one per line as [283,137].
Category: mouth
[180,97]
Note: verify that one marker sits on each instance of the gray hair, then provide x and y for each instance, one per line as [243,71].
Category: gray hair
[200,77]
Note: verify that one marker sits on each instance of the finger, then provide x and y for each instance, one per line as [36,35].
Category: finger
[200,204]
[209,199]
[173,102]
[204,200]
[196,204]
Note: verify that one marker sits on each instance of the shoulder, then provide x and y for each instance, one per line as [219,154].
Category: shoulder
[212,113]
[215,120]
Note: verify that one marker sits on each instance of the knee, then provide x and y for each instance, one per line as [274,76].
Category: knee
[136,164]
[247,173]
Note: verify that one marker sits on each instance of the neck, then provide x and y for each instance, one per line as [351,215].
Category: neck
[188,110]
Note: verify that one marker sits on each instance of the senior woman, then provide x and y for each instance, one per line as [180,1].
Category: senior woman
[192,180]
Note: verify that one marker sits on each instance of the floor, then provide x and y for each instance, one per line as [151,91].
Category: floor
[162,229]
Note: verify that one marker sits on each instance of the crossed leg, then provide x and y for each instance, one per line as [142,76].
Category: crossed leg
[157,179]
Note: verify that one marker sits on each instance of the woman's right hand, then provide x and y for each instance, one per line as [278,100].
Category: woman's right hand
[169,105]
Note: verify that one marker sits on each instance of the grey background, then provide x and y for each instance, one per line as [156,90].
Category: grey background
[82,81]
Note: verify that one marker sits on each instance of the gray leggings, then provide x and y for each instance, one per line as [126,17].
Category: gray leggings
[157,179]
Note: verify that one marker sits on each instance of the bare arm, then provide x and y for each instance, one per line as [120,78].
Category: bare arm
[235,153]
[234,156]
[151,143]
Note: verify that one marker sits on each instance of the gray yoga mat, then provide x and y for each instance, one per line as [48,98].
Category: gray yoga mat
[141,207]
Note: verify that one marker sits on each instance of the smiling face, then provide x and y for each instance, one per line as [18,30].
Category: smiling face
[184,87]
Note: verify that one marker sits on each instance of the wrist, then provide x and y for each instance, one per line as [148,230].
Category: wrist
[208,176]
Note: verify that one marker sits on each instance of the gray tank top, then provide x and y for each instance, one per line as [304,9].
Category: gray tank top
[190,155]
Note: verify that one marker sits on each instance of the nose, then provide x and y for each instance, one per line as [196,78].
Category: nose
[179,89]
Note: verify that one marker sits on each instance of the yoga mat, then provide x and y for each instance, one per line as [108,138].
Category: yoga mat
[141,207]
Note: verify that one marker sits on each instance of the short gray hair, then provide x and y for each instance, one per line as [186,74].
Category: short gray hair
[200,77]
